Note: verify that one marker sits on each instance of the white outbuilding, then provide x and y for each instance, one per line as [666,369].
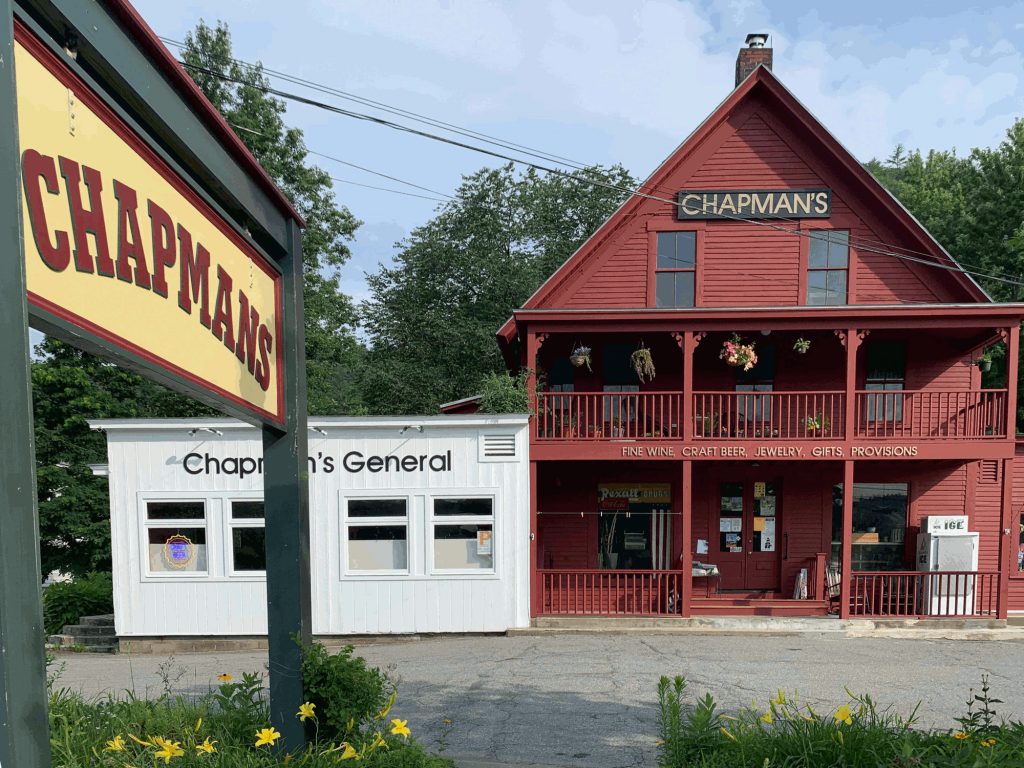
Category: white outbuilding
[417,525]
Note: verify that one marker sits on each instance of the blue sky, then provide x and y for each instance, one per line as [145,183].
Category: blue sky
[604,81]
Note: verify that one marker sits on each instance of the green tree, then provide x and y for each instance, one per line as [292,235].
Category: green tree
[431,318]
[238,91]
[69,387]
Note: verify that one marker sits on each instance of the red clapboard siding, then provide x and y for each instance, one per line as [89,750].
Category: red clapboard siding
[1016,596]
[621,281]
[748,265]
[565,541]
[985,517]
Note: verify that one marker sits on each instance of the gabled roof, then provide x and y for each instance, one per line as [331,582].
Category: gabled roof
[761,83]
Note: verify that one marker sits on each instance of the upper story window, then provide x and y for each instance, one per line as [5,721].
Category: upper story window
[827,267]
[886,373]
[676,269]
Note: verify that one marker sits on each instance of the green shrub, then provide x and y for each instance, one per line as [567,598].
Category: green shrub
[66,602]
[502,393]
[347,693]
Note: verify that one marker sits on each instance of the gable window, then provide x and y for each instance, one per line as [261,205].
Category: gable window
[887,364]
[676,269]
[827,267]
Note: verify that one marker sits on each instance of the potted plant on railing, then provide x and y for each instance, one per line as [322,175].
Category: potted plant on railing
[706,425]
[738,353]
[642,363]
[801,345]
[817,423]
[580,356]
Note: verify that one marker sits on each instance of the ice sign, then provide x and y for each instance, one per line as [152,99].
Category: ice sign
[944,524]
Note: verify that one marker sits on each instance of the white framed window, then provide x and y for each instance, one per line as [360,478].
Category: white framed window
[461,534]
[376,535]
[247,541]
[175,536]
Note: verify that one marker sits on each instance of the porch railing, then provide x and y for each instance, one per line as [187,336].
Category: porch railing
[967,414]
[778,415]
[921,594]
[610,593]
[609,415]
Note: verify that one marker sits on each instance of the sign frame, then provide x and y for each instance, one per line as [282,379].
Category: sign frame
[111,51]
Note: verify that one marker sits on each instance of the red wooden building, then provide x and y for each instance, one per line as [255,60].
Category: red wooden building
[864,413]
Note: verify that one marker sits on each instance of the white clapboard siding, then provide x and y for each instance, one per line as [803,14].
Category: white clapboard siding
[489,457]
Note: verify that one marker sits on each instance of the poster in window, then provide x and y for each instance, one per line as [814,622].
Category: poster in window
[484,542]
[759,489]
[731,542]
[732,503]
[768,534]
[730,524]
[766,506]
[179,552]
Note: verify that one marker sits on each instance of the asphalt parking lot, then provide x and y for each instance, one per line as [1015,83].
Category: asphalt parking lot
[589,700]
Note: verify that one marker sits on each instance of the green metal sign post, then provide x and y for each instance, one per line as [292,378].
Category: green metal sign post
[101,63]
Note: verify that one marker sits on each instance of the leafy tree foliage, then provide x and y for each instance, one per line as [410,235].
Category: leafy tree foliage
[70,387]
[974,205]
[238,92]
[431,319]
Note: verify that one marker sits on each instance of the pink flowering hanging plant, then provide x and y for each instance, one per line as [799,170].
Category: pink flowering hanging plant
[738,354]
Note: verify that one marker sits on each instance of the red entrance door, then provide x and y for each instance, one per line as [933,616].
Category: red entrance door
[749,528]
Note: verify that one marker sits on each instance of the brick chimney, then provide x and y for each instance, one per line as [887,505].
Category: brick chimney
[753,55]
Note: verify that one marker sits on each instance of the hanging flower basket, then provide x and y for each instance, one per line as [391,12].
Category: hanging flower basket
[642,363]
[580,356]
[801,345]
[738,354]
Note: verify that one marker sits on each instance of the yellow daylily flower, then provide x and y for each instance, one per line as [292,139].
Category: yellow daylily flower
[267,736]
[168,749]
[306,711]
[139,741]
[988,743]
[960,735]
[725,732]
[199,724]
[378,740]
[387,707]
[116,744]
[843,715]
[779,700]
[348,753]
[225,678]
[767,718]
[400,727]
[206,747]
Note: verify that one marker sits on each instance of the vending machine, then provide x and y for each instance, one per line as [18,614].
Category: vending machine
[944,544]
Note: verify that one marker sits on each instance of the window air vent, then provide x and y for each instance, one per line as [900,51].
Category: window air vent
[500,446]
[989,471]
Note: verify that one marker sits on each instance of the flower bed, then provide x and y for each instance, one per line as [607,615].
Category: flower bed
[229,727]
[854,734]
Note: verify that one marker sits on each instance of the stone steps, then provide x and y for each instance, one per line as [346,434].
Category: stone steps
[92,634]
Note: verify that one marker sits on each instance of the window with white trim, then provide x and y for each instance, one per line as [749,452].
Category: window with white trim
[828,266]
[377,535]
[247,534]
[175,534]
[462,534]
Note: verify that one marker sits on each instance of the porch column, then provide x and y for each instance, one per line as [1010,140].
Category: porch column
[535,585]
[847,556]
[686,497]
[1008,538]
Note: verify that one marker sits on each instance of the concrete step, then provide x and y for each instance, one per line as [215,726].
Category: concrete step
[87,630]
[104,620]
[83,642]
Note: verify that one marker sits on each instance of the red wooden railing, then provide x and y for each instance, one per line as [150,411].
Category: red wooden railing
[816,573]
[779,415]
[610,593]
[609,415]
[921,414]
[919,594]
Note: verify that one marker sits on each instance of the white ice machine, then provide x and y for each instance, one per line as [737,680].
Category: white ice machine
[945,544]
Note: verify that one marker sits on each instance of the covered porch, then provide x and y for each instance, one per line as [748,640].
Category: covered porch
[764,538]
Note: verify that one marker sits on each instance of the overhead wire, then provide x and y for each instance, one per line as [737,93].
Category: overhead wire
[859,242]
[930,261]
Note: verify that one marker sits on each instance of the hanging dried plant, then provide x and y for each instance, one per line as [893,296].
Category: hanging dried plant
[643,364]
[580,356]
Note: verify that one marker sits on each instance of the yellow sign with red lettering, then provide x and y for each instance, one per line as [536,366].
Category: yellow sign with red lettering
[118,244]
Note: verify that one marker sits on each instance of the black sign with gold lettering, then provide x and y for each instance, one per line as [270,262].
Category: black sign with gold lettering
[696,204]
